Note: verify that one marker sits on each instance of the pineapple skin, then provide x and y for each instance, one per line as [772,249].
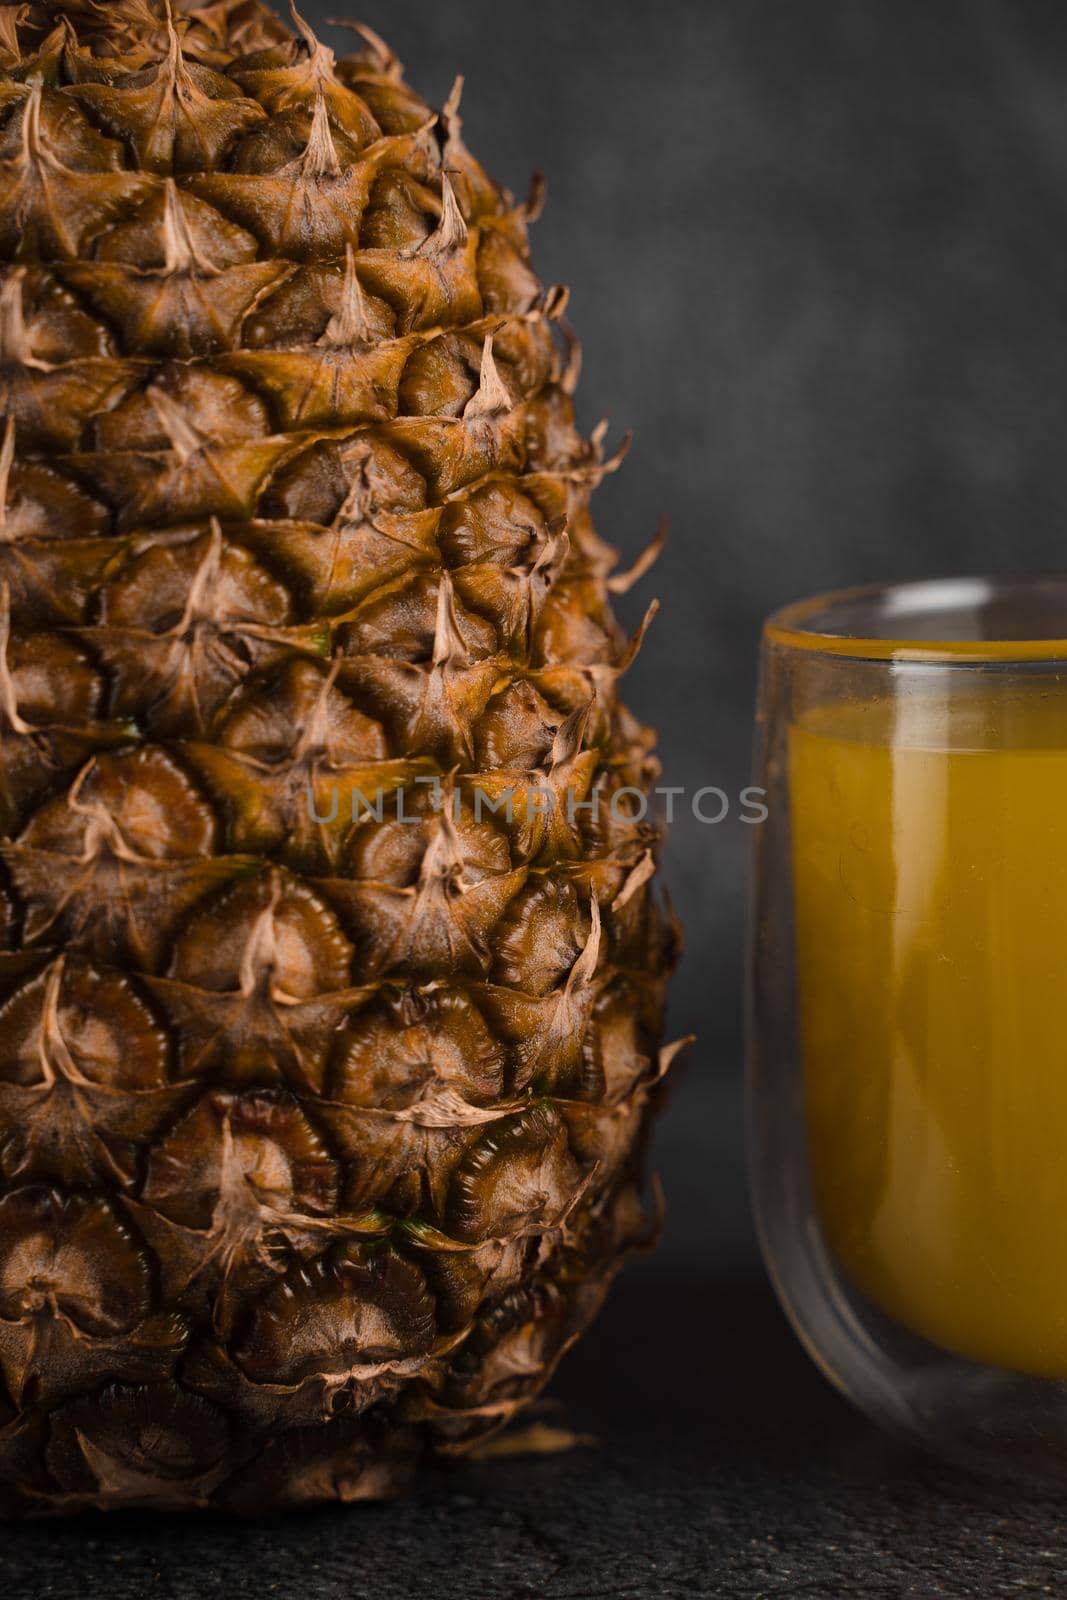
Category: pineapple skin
[320,1139]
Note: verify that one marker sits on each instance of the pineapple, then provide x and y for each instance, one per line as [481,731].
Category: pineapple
[331,973]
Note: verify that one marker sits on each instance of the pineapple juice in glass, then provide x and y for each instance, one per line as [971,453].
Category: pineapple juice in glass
[908,1090]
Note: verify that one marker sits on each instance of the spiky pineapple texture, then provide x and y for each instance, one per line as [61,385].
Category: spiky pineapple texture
[319,1138]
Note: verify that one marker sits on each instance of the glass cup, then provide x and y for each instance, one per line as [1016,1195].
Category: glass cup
[908,1007]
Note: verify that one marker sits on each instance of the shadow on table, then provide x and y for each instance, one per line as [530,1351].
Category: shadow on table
[725,1466]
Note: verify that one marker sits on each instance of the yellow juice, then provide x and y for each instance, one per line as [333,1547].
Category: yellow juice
[930,885]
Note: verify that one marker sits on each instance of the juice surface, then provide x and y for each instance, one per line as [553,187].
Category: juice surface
[930,880]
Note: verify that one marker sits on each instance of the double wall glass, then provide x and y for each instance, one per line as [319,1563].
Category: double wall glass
[908,1006]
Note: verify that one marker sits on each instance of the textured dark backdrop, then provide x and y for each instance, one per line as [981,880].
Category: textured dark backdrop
[817,260]
[817,252]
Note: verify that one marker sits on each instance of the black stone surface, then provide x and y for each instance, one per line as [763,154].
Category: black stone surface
[725,1467]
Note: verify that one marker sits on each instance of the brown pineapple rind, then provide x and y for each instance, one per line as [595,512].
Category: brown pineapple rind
[319,1141]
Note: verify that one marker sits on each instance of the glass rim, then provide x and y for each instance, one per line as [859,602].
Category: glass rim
[796,625]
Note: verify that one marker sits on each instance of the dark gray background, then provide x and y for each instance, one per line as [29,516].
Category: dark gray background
[817,259]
